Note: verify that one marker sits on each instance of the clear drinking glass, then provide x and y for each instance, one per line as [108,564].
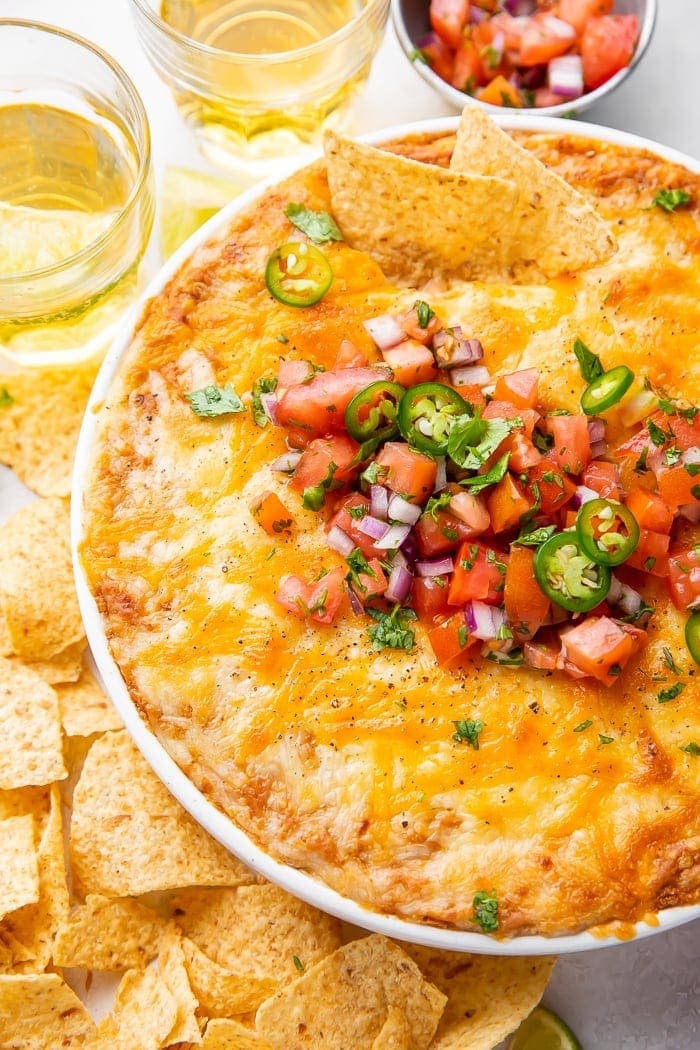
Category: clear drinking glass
[259,81]
[76,194]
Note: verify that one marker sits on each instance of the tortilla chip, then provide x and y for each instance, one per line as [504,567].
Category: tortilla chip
[105,934]
[487,997]
[395,1033]
[40,1012]
[257,930]
[20,874]
[39,428]
[346,999]
[143,1015]
[37,592]
[171,962]
[85,709]
[551,228]
[221,992]
[35,925]
[231,1035]
[65,666]
[5,640]
[130,836]
[416,220]
[31,746]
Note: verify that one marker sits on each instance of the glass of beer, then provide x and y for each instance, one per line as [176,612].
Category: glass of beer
[76,195]
[257,81]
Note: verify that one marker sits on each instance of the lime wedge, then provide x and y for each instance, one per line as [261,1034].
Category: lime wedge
[188,199]
[34,238]
[543,1030]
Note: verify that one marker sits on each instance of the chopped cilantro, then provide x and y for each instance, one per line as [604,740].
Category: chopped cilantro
[472,440]
[6,397]
[605,739]
[542,442]
[215,401]
[391,630]
[503,633]
[657,435]
[693,469]
[419,56]
[649,563]
[462,635]
[671,693]
[372,473]
[298,964]
[695,492]
[486,910]
[313,497]
[467,731]
[496,474]
[318,226]
[437,503]
[357,563]
[535,537]
[640,466]
[264,385]
[514,658]
[692,748]
[589,363]
[357,512]
[642,611]
[582,726]
[281,338]
[672,454]
[670,662]
[425,314]
[669,200]
[492,56]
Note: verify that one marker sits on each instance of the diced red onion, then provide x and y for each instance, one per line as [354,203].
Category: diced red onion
[558,27]
[565,76]
[441,476]
[398,558]
[691,455]
[598,449]
[691,512]
[519,7]
[452,349]
[409,548]
[596,429]
[385,331]
[471,375]
[533,77]
[340,541]
[484,620]
[378,502]
[435,567]
[497,46]
[471,511]
[615,593]
[392,538]
[477,15]
[286,463]
[355,603]
[583,495]
[637,407]
[269,403]
[400,580]
[372,527]
[403,511]
[630,601]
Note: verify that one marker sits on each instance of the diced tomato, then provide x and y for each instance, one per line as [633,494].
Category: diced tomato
[651,554]
[540,655]
[450,638]
[523,454]
[520,388]
[512,29]
[407,472]
[685,434]
[607,45]
[316,462]
[545,97]
[500,92]
[271,514]
[544,37]
[430,597]
[507,410]
[440,534]
[684,578]
[440,57]
[473,395]
[411,363]
[292,373]
[650,510]
[319,405]
[467,70]
[349,356]
[410,324]
[492,63]
[570,517]
[603,478]
[571,450]
[507,503]
[599,647]
[554,488]
[526,606]
[479,573]
[677,486]
[578,12]
[372,584]
[448,18]
[320,601]
[349,524]
[470,510]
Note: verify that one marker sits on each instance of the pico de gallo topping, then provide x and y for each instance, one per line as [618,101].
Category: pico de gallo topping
[459,500]
[525,53]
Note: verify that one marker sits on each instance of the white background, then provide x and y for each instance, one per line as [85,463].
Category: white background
[643,996]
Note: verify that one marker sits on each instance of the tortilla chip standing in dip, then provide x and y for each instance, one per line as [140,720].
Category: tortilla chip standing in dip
[400,575]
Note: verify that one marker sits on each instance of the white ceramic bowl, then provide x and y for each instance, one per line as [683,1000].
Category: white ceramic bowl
[410,18]
[204,812]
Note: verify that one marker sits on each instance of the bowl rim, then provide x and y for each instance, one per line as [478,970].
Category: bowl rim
[567,108]
[297,882]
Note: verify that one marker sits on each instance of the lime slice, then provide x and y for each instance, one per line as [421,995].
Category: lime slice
[543,1030]
[188,199]
[34,238]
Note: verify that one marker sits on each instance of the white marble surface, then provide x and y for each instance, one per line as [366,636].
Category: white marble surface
[643,996]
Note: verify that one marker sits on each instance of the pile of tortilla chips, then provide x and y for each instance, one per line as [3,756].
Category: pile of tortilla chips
[106,878]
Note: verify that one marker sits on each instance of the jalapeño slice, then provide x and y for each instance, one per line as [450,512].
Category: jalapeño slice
[608,532]
[692,636]
[426,415]
[606,390]
[568,576]
[297,274]
[371,415]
